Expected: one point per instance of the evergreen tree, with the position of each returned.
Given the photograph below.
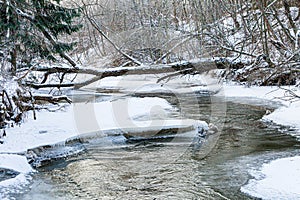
(30, 29)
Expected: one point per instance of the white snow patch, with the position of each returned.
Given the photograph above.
(148, 84)
(266, 93)
(279, 179)
(15, 162)
(18, 181)
(81, 118)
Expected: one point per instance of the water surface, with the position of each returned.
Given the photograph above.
(115, 168)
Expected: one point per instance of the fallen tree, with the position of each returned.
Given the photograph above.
(13, 107)
(173, 69)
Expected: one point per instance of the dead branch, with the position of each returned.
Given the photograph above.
(197, 66)
(33, 106)
(97, 27)
(290, 92)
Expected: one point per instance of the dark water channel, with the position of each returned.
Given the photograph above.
(164, 169)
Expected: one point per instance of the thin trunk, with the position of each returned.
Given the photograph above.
(289, 16)
(284, 29)
(13, 61)
(262, 4)
(175, 14)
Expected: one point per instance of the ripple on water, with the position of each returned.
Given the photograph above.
(160, 169)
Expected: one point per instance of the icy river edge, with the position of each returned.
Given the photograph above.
(37, 133)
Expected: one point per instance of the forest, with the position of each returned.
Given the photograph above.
(254, 42)
(42, 42)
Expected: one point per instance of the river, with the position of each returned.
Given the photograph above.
(167, 169)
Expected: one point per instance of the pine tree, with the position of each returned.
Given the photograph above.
(30, 30)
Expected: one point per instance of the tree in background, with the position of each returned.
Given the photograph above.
(30, 30)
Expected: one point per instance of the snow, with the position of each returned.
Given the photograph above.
(13, 185)
(20, 179)
(9, 85)
(266, 93)
(81, 118)
(279, 179)
(288, 116)
(16, 162)
(137, 84)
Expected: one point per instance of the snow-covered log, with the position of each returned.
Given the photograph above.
(183, 67)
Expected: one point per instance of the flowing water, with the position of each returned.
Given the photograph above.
(166, 169)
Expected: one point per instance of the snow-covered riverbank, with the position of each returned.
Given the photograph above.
(288, 113)
(279, 179)
(20, 166)
(78, 119)
(92, 120)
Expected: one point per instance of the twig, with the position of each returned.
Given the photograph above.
(293, 94)
(185, 71)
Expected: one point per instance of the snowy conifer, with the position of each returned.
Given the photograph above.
(30, 29)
